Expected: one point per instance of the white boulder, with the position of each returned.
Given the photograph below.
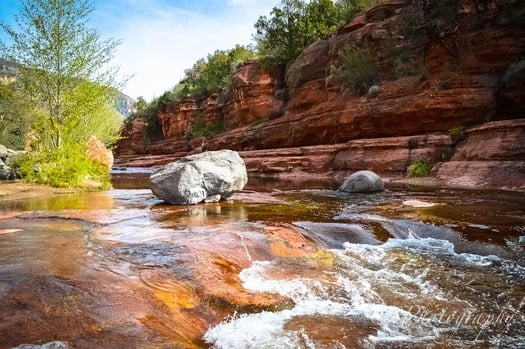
(208, 176)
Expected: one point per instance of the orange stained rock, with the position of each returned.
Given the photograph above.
(97, 151)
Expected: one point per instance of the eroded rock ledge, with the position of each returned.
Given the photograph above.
(490, 156)
(298, 120)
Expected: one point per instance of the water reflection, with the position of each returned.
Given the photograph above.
(131, 178)
(279, 265)
(207, 214)
(70, 201)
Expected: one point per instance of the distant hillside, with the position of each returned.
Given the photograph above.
(125, 104)
(7, 69)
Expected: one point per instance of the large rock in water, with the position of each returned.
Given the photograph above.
(362, 182)
(207, 176)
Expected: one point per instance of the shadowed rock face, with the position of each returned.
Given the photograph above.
(208, 177)
(460, 71)
(133, 136)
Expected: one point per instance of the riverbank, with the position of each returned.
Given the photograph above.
(20, 190)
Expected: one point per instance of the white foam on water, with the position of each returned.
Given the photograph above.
(443, 249)
(298, 289)
(362, 285)
(315, 298)
(266, 329)
(361, 216)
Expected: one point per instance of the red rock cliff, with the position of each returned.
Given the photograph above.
(437, 69)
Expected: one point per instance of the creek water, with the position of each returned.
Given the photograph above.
(281, 265)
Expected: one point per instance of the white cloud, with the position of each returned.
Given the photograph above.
(160, 39)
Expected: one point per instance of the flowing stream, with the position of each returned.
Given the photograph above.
(282, 265)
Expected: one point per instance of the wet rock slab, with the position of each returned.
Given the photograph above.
(77, 277)
(122, 269)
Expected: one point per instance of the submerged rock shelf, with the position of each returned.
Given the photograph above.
(276, 264)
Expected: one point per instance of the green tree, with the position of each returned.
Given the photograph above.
(321, 18)
(295, 24)
(62, 72)
(210, 74)
(141, 105)
(281, 37)
(348, 9)
(14, 119)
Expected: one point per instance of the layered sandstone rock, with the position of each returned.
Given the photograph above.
(492, 155)
(250, 100)
(459, 66)
(176, 118)
(133, 138)
(498, 140)
(253, 97)
(388, 156)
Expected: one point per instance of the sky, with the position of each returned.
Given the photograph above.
(162, 38)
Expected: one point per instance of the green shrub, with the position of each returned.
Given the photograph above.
(211, 74)
(200, 128)
(66, 166)
(447, 153)
(357, 68)
(457, 133)
(419, 168)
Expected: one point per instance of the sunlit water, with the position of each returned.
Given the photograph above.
(280, 266)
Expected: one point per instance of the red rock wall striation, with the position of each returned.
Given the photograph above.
(444, 67)
(177, 117)
(491, 155)
(133, 139)
(250, 100)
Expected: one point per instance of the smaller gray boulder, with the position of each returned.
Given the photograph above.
(9, 156)
(373, 91)
(362, 182)
(6, 172)
(207, 176)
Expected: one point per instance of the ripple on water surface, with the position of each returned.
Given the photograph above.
(335, 270)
